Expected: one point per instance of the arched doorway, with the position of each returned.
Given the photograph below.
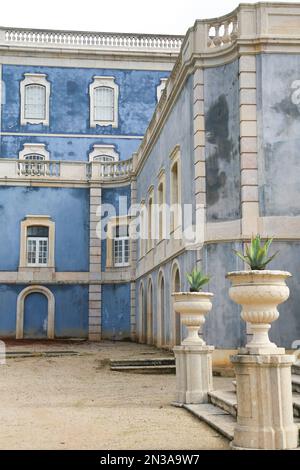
(176, 287)
(142, 315)
(150, 312)
(35, 316)
(161, 326)
(35, 313)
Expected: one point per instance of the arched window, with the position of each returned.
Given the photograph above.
(37, 245)
(36, 156)
(103, 158)
(104, 93)
(34, 167)
(35, 101)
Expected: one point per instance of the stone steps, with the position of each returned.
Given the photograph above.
(296, 383)
(296, 368)
(145, 366)
(215, 417)
(296, 405)
(224, 399)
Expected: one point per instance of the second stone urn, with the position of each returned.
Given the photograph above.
(259, 293)
(192, 307)
(193, 357)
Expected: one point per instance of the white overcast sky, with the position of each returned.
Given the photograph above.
(140, 16)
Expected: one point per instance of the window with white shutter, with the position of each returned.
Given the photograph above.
(35, 96)
(35, 102)
(104, 95)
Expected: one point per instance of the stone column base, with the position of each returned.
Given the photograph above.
(264, 399)
(193, 373)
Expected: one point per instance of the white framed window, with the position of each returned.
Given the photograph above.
(160, 88)
(37, 245)
(118, 242)
(150, 219)
(35, 95)
(161, 201)
(175, 189)
(35, 155)
(104, 97)
(121, 245)
(104, 154)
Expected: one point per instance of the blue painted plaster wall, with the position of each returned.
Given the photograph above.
(223, 326)
(65, 148)
(68, 208)
(222, 131)
(69, 99)
(112, 196)
(71, 310)
(278, 108)
(286, 329)
(115, 320)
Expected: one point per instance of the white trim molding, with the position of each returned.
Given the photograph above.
(160, 88)
(101, 151)
(45, 221)
(34, 79)
(105, 82)
(34, 149)
(20, 310)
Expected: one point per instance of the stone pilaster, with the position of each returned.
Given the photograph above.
(133, 260)
(265, 405)
(95, 267)
(199, 148)
(248, 145)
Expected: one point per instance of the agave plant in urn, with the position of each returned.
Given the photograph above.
(259, 291)
(193, 306)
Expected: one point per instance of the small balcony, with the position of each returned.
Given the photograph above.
(64, 171)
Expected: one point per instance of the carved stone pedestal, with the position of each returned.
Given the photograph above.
(193, 373)
(264, 398)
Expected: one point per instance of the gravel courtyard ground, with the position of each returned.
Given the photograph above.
(76, 402)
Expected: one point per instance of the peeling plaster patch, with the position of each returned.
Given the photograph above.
(287, 107)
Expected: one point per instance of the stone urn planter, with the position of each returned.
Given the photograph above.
(259, 292)
(192, 307)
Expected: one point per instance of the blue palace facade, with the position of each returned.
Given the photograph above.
(93, 124)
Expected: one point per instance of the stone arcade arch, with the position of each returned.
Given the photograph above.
(161, 327)
(150, 311)
(142, 314)
(175, 287)
(20, 310)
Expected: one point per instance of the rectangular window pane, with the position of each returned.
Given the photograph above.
(37, 251)
(43, 251)
(35, 102)
(31, 251)
(104, 104)
(121, 251)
